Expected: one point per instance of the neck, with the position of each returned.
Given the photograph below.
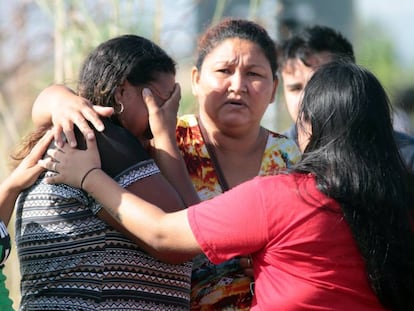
(236, 158)
(233, 140)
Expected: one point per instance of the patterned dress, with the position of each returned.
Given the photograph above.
(72, 260)
(5, 248)
(224, 286)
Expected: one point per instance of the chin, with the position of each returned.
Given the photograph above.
(236, 123)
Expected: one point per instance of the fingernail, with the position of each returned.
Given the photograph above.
(146, 92)
(90, 136)
(73, 143)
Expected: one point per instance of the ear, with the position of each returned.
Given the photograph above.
(275, 84)
(195, 77)
(119, 91)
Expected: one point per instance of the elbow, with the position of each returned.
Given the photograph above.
(167, 251)
(169, 255)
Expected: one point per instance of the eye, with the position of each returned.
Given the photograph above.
(295, 88)
(254, 74)
(224, 70)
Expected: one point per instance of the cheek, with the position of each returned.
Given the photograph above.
(208, 83)
(291, 97)
(136, 120)
(209, 92)
(292, 103)
(293, 107)
(261, 90)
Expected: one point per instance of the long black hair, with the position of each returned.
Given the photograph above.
(355, 160)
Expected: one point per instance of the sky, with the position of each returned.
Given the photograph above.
(397, 16)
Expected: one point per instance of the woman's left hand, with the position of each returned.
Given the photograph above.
(163, 119)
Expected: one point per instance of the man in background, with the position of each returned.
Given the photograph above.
(301, 54)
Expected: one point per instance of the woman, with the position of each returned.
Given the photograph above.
(23, 176)
(335, 233)
(234, 81)
(91, 262)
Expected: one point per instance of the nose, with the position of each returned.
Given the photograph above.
(237, 83)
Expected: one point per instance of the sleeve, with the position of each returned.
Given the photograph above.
(5, 246)
(122, 156)
(231, 224)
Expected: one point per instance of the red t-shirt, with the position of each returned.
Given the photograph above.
(304, 255)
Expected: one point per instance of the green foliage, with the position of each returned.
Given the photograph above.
(82, 25)
(375, 50)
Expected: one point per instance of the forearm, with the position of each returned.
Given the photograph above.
(172, 165)
(41, 110)
(163, 121)
(164, 234)
(8, 196)
(174, 258)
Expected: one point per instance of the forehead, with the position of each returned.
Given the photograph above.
(236, 47)
(295, 70)
(313, 61)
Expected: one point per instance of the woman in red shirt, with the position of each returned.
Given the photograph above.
(333, 234)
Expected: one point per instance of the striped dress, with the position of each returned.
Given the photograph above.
(72, 260)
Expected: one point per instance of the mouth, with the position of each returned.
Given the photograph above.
(235, 103)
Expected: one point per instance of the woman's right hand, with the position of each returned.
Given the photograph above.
(71, 165)
(59, 105)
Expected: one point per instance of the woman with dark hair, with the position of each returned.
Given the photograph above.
(234, 81)
(334, 233)
(73, 254)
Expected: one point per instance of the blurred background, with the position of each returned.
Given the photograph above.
(45, 41)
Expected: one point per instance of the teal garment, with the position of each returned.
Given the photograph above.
(6, 304)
